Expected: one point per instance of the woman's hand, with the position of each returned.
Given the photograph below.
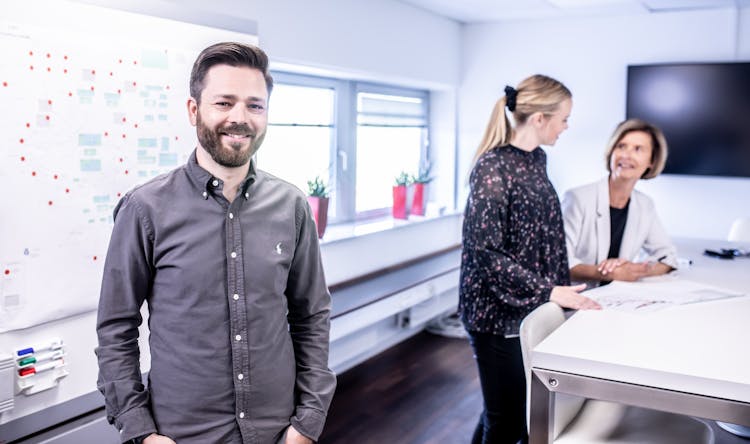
(630, 271)
(607, 266)
(570, 297)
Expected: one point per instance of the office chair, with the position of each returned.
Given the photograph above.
(589, 421)
(740, 231)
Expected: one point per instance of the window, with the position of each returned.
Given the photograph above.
(357, 137)
(391, 138)
(301, 133)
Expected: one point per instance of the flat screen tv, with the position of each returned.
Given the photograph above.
(704, 111)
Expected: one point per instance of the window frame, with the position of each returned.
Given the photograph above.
(343, 148)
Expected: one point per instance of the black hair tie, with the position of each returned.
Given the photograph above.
(510, 98)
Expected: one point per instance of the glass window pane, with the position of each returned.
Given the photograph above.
(297, 154)
(301, 105)
(372, 103)
(382, 153)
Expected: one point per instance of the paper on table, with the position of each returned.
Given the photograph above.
(653, 295)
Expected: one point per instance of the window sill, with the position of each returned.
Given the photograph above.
(346, 231)
(350, 251)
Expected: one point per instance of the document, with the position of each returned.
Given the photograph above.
(658, 294)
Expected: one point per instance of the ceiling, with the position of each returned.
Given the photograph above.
(484, 11)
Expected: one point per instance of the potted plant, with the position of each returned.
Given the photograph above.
(317, 197)
(399, 196)
(419, 197)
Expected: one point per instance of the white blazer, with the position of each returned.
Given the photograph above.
(587, 228)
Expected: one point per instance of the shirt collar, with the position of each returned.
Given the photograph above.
(204, 181)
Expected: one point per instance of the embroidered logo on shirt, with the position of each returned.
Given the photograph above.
(278, 248)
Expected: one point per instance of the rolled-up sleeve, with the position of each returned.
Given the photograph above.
(309, 325)
(572, 220)
(658, 244)
(125, 285)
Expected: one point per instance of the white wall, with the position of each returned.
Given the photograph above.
(360, 39)
(590, 55)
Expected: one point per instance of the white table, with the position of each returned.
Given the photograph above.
(691, 359)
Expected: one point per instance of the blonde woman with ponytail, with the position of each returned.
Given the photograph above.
(514, 257)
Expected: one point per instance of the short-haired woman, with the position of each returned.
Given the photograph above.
(608, 223)
(514, 257)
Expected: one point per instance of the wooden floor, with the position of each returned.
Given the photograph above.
(424, 390)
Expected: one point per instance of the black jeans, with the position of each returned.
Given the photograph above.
(503, 381)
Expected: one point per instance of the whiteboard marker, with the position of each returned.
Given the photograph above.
(50, 365)
(54, 344)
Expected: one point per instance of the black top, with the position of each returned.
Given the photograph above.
(513, 241)
(618, 217)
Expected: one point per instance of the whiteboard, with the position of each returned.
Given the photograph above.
(93, 103)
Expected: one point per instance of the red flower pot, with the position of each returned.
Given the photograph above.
(418, 201)
(399, 202)
(319, 207)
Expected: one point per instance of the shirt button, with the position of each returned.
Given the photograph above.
(238, 338)
(234, 255)
(242, 415)
(215, 183)
(240, 376)
(231, 215)
(236, 296)
(247, 195)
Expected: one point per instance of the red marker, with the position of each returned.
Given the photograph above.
(26, 371)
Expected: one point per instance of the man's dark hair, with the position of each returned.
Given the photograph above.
(227, 53)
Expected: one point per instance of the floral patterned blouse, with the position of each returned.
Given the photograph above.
(513, 241)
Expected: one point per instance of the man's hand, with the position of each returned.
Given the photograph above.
(157, 439)
(570, 297)
(295, 437)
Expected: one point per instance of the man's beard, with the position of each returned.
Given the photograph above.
(234, 155)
